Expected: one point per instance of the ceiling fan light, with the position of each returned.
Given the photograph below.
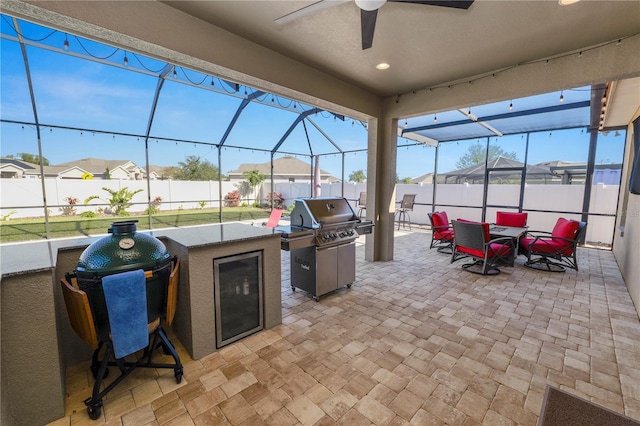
(370, 5)
(567, 2)
(383, 66)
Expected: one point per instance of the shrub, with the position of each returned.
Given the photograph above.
(232, 199)
(119, 201)
(5, 217)
(278, 200)
(88, 214)
(70, 210)
(155, 206)
(202, 204)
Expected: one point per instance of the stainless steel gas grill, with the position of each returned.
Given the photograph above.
(321, 240)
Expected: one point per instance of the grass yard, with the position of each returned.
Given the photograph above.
(76, 226)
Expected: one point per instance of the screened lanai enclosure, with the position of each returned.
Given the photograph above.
(91, 132)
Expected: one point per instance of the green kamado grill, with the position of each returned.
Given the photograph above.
(124, 250)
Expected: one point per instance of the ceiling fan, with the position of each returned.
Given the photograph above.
(368, 12)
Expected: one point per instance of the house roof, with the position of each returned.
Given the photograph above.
(477, 171)
(428, 178)
(98, 165)
(287, 165)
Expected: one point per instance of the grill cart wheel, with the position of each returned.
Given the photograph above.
(94, 412)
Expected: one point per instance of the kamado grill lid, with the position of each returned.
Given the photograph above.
(123, 250)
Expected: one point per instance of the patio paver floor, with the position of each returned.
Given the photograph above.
(414, 341)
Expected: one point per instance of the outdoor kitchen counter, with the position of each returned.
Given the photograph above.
(38, 342)
(196, 247)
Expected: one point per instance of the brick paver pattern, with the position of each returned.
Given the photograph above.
(414, 341)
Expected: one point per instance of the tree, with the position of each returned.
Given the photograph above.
(357, 176)
(107, 173)
(33, 159)
(404, 180)
(475, 155)
(193, 168)
(255, 178)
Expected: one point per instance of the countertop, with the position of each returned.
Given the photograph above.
(36, 256)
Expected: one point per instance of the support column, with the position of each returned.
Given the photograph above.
(381, 184)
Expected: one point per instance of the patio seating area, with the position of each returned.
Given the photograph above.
(415, 340)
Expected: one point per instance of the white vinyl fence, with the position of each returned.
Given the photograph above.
(23, 198)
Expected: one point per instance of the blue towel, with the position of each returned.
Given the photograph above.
(126, 298)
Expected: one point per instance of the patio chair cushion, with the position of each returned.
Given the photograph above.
(564, 228)
(440, 219)
(518, 220)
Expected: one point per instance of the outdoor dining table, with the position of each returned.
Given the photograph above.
(498, 231)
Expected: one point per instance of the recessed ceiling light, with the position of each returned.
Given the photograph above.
(567, 2)
(383, 66)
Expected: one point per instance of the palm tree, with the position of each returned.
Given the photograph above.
(255, 178)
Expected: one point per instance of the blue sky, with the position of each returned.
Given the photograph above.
(74, 92)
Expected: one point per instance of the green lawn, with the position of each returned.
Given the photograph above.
(70, 226)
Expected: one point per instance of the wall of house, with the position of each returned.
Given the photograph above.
(627, 238)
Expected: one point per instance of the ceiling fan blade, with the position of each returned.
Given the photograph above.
(368, 24)
(457, 4)
(308, 10)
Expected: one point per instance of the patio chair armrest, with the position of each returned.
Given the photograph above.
(502, 240)
(534, 234)
(442, 227)
(552, 238)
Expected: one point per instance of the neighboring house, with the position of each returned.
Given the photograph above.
(285, 169)
(118, 169)
(576, 172)
(96, 167)
(428, 178)
(11, 168)
(475, 174)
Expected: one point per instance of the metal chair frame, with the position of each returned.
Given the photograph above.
(406, 206)
(552, 259)
(472, 235)
(362, 203)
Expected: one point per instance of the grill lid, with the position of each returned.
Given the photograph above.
(322, 211)
(123, 250)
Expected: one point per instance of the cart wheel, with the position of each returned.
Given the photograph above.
(348, 285)
(178, 375)
(94, 413)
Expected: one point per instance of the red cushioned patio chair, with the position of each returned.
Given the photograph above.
(472, 239)
(556, 250)
(441, 232)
